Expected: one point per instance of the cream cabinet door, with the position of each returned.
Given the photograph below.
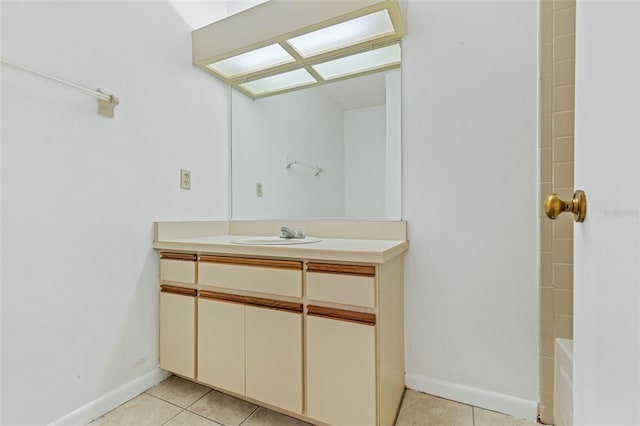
(341, 372)
(178, 333)
(221, 345)
(274, 357)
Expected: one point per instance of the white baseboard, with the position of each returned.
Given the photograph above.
(516, 407)
(111, 400)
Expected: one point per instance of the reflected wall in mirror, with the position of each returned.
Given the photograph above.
(349, 129)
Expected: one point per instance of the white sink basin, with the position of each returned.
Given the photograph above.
(274, 241)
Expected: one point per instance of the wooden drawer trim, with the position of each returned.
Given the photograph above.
(248, 261)
(341, 314)
(223, 297)
(252, 301)
(334, 268)
(178, 256)
(178, 290)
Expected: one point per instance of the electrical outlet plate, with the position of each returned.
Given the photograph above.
(258, 189)
(185, 179)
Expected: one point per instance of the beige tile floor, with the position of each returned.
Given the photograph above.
(179, 402)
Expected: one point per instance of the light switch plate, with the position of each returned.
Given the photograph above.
(185, 179)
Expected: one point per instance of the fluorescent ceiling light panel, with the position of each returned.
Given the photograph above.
(345, 34)
(361, 62)
(278, 82)
(255, 60)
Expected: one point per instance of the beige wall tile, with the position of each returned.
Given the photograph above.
(546, 304)
(564, 21)
(546, 134)
(546, 376)
(564, 192)
(546, 60)
(562, 276)
(564, 98)
(563, 326)
(563, 123)
(546, 338)
(546, 235)
(564, 72)
(546, 26)
(562, 251)
(563, 149)
(546, 95)
(563, 174)
(546, 165)
(545, 191)
(563, 226)
(546, 269)
(563, 4)
(563, 301)
(546, 407)
(564, 47)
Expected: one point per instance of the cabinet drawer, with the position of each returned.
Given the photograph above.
(346, 289)
(268, 276)
(178, 268)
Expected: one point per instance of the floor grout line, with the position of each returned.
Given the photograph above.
(252, 413)
(172, 403)
(473, 416)
(180, 412)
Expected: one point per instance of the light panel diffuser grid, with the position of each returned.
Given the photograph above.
(361, 62)
(344, 34)
(278, 82)
(255, 60)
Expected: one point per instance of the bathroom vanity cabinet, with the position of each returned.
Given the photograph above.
(318, 339)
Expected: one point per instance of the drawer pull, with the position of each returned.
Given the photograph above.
(341, 314)
(248, 261)
(252, 301)
(178, 256)
(334, 268)
(178, 290)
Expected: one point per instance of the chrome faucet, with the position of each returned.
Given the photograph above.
(286, 232)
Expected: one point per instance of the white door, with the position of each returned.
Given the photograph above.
(607, 244)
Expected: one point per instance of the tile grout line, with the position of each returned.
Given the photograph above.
(172, 403)
(180, 412)
(247, 418)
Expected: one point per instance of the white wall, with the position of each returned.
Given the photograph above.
(80, 192)
(306, 125)
(470, 199)
(365, 177)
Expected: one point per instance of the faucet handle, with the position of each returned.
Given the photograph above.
(299, 231)
(287, 232)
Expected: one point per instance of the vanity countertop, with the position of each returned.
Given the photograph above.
(328, 249)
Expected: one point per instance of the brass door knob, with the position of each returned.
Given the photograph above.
(554, 206)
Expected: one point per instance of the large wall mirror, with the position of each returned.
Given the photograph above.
(329, 151)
